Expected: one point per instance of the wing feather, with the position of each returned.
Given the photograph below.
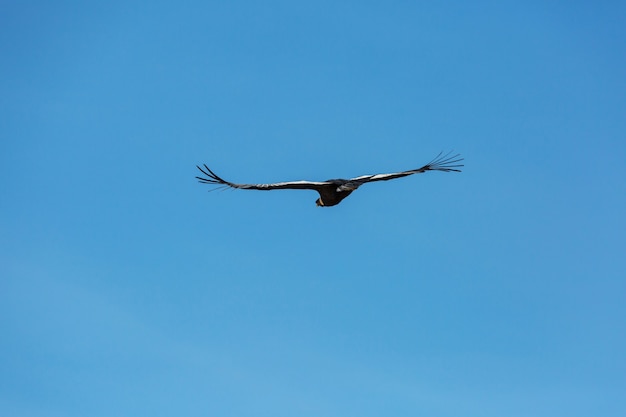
(442, 162)
(212, 178)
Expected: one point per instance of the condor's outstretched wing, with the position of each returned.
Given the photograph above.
(441, 162)
(214, 179)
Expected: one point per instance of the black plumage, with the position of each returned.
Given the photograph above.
(332, 192)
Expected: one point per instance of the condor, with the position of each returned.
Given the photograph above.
(332, 192)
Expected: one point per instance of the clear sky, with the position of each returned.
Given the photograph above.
(127, 289)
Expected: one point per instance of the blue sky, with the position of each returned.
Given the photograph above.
(128, 290)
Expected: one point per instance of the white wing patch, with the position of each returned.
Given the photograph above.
(380, 176)
(363, 177)
(282, 185)
(301, 182)
(393, 174)
(288, 183)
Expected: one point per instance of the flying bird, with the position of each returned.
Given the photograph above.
(332, 192)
